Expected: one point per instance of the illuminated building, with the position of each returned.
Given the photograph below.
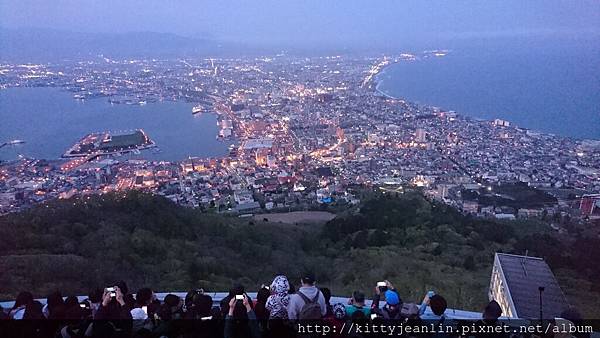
(590, 205)
(420, 135)
(501, 123)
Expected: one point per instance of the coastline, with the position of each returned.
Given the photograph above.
(381, 92)
(489, 94)
(377, 83)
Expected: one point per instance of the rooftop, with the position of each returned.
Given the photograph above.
(524, 275)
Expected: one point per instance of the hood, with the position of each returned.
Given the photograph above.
(138, 314)
(280, 286)
(309, 291)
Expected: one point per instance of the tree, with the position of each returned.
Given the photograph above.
(469, 263)
(360, 239)
(378, 238)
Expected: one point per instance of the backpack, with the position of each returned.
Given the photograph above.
(385, 313)
(311, 308)
(409, 310)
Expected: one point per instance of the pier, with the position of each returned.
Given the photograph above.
(109, 143)
(12, 142)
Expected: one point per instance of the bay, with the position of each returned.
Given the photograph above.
(49, 120)
(554, 90)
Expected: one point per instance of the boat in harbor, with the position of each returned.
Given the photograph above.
(15, 142)
(197, 109)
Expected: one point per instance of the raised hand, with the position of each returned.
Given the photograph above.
(232, 302)
(119, 296)
(106, 298)
(246, 303)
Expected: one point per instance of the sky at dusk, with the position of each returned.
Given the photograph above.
(311, 21)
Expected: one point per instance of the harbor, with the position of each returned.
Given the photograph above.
(60, 121)
(110, 143)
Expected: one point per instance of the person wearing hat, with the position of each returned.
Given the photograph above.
(336, 320)
(381, 293)
(393, 304)
(339, 311)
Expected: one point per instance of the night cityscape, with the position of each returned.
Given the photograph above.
(307, 131)
(286, 183)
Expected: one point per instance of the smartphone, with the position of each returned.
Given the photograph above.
(82, 306)
(145, 309)
(206, 318)
(239, 297)
(373, 316)
(111, 290)
(430, 294)
(382, 286)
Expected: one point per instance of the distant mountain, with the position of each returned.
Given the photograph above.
(49, 45)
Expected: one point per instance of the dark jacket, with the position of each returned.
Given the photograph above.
(242, 328)
(112, 320)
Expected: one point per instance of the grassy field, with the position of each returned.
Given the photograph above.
(296, 217)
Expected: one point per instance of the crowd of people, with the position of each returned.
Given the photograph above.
(277, 311)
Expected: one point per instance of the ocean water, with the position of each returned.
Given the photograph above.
(553, 90)
(50, 121)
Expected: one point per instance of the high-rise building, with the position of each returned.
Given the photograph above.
(501, 123)
(420, 135)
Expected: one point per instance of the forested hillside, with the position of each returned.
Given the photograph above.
(76, 245)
